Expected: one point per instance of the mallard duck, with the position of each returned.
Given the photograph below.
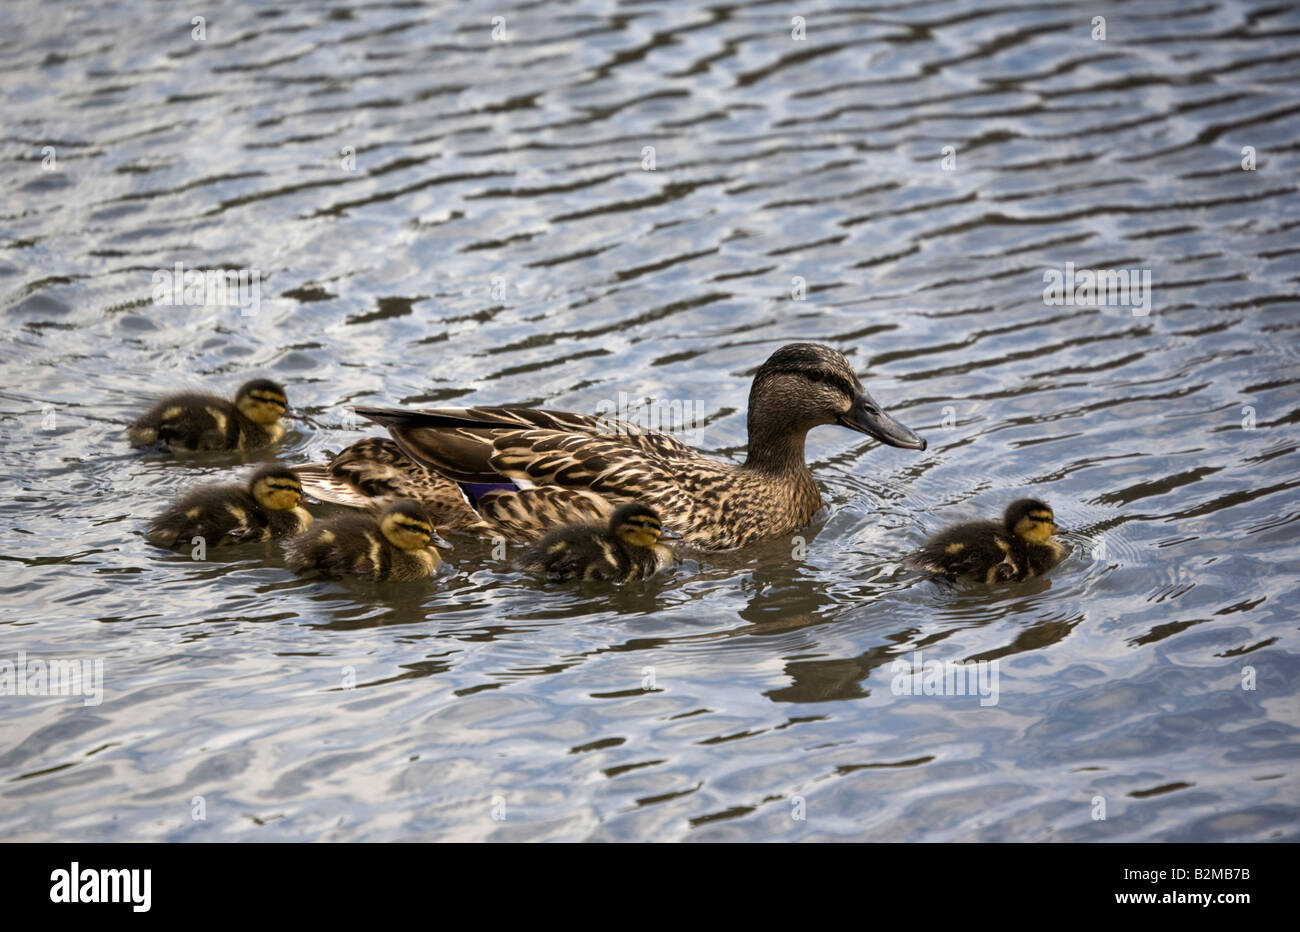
(1018, 548)
(266, 508)
(515, 472)
(195, 421)
(625, 549)
(391, 546)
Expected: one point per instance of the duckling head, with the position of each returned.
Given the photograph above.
(636, 525)
(262, 401)
(275, 488)
(407, 526)
(1031, 521)
(803, 385)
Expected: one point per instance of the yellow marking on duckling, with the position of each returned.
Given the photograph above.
(304, 518)
(954, 548)
(194, 512)
(375, 549)
(326, 537)
(238, 514)
(1036, 531)
(557, 548)
(171, 413)
(1003, 545)
(218, 417)
(141, 436)
(609, 554)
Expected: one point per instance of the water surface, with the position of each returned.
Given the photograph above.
(439, 217)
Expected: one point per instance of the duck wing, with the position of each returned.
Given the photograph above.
(460, 442)
(533, 447)
(374, 471)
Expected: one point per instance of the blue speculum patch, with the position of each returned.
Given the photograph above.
(476, 490)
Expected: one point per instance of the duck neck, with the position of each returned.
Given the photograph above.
(776, 447)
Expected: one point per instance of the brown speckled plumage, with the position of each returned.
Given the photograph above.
(581, 467)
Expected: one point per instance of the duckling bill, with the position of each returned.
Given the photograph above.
(392, 546)
(266, 508)
(627, 548)
(1018, 548)
(196, 421)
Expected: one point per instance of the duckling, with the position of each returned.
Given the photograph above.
(392, 546)
(268, 507)
(1018, 548)
(628, 548)
(195, 421)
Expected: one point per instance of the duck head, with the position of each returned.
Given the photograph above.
(262, 401)
(407, 527)
(275, 488)
(636, 525)
(805, 385)
(1031, 520)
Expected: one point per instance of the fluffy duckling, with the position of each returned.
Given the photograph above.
(629, 548)
(268, 507)
(196, 421)
(1018, 548)
(392, 546)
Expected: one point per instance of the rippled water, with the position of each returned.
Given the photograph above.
(442, 217)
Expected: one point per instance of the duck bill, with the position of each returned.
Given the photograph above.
(670, 535)
(437, 540)
(866, 417)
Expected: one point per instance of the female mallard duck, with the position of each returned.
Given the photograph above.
(392, 546)
(268, 507)
(195, 421)
(1018, 548)
(627, 548)
(514, 472)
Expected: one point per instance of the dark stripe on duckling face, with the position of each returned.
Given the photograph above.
(268, 398)
(276, 489)
(406, 526)
(636, 525)
(283, 482)
(1037, 526)
(415, 527)
(262, 401)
